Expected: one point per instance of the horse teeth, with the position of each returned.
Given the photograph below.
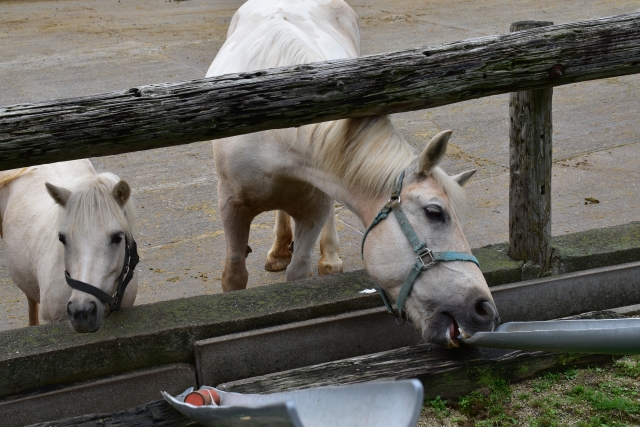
(464, 334)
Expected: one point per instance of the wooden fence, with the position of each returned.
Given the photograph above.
(169, 114)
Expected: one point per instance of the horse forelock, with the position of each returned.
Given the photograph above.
(92, 200)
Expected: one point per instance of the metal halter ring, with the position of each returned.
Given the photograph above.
(425, 253)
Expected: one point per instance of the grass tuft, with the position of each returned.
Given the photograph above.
(607, 396)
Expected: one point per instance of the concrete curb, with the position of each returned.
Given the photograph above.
(163, 333)
(574, 252)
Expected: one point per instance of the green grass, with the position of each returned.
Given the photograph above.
(607, 396)
(438, 407)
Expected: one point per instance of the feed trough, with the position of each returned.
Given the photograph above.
(610, 336)
(373, 404)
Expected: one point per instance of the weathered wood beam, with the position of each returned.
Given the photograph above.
(168, 114)
(442, 373)
(530, 139)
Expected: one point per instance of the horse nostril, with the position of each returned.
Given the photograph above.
(480, 309)
(69, 312)
(484, 311)
(91, 311)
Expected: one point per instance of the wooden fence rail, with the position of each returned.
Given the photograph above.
(169, 114)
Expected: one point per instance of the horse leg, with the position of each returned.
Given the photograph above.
(34, 308)
(279, 255)
(330, 261)
(308, 226)
(236, 225)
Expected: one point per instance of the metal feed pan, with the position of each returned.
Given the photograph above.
(373, 404)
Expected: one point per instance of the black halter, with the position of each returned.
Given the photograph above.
(113, 302)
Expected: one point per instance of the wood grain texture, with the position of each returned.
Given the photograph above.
(168, 114)
(530, 147)
(443, 373)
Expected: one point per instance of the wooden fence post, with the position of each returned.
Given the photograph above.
(530, 170)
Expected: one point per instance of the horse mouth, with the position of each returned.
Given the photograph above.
(454, 332)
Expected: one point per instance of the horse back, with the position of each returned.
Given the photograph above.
(276, 33)
(265, 167)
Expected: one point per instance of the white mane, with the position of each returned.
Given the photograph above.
(6, 177)
(91, 200)
(9, 175)
(367, 153)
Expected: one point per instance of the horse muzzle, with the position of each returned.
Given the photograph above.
(451, 324)
(85, 315)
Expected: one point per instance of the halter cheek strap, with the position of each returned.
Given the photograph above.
(425, 257)
(113, 302)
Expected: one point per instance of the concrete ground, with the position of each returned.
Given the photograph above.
(66, 48)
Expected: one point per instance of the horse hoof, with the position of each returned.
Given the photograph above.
(277, 264)
(325, 268)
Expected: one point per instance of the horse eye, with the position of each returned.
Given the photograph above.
(62, 238)
(116, 238)
(434, 213)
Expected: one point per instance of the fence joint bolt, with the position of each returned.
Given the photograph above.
(556, 71)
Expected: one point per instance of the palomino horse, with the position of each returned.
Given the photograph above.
(363, 163)
(60, 238)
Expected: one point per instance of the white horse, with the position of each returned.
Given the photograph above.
(82, 226)
(358, 162)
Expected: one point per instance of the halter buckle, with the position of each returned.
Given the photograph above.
(422, 254)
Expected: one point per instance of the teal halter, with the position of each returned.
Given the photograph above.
(425, 256)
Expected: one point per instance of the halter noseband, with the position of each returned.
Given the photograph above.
(425, 257)
(113, 302)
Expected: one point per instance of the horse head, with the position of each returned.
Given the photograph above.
(421, 241)
(95, 230)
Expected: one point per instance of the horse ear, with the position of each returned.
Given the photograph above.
(60, 195)
(121, 192)
(463, 177)
(433, 153)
